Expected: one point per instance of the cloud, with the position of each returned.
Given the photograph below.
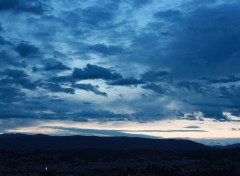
(11, 94)
(140, 3)
(171, 15)
(16, 74)
(28, 6)
(157, 76)
(96, 16)
(15, 123)
(200, 3)
(96, 132)
(170, 131)
(228, 79)
(62, 79)
(155, 60)
(196, 41)
(191, 86)
(4, 42)
(17, 77)
(91, 88)
(201, 41)
(17, 114)
(95, 72)
(92, 17)
(160, 89)
(91, 113)
(54, 65)
(192, 127)
(54, 87)
(8, 60)
(126, 82)
(27, 50)
(235, 129)
(106, 50)
(214, 113)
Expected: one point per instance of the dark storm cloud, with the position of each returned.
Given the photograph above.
(29, 6)
(96, 16)
(157, 76)
(160, 89)
(16, 74)
(27, 50)
(95, 72)
(44, 107)
(54, 87)
(214, 110)
(214, 113)
(126, 82)
(91, 88)
(228, 79)
(191, 86)
(99, 114)
(204, 42)
(4, 41)
(11, 94)
(62, 79)
(26, 109)
(11, 113)
(217, 100)
(17, 77)
(54, 65)
(67, 84)
(207, 42)
(8, 60)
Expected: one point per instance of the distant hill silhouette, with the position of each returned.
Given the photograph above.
(232, 146)
(22, 141)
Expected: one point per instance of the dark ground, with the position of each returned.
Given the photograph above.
(120, 162)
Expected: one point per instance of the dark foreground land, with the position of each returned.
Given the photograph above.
(42, 155)
(120, 162)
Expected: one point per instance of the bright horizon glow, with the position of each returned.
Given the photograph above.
(207, 132)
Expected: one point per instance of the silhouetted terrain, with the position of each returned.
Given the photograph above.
(233, 146)
(37, 156)
(18, 141)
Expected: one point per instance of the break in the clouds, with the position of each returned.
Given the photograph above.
(142, 61)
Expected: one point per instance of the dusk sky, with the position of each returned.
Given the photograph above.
(144, 68)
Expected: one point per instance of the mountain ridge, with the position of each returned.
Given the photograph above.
(41, 141)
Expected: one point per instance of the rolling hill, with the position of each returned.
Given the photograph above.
(21, 141)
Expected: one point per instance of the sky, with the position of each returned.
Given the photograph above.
(143, 68)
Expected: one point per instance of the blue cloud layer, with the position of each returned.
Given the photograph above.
(139, 60)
